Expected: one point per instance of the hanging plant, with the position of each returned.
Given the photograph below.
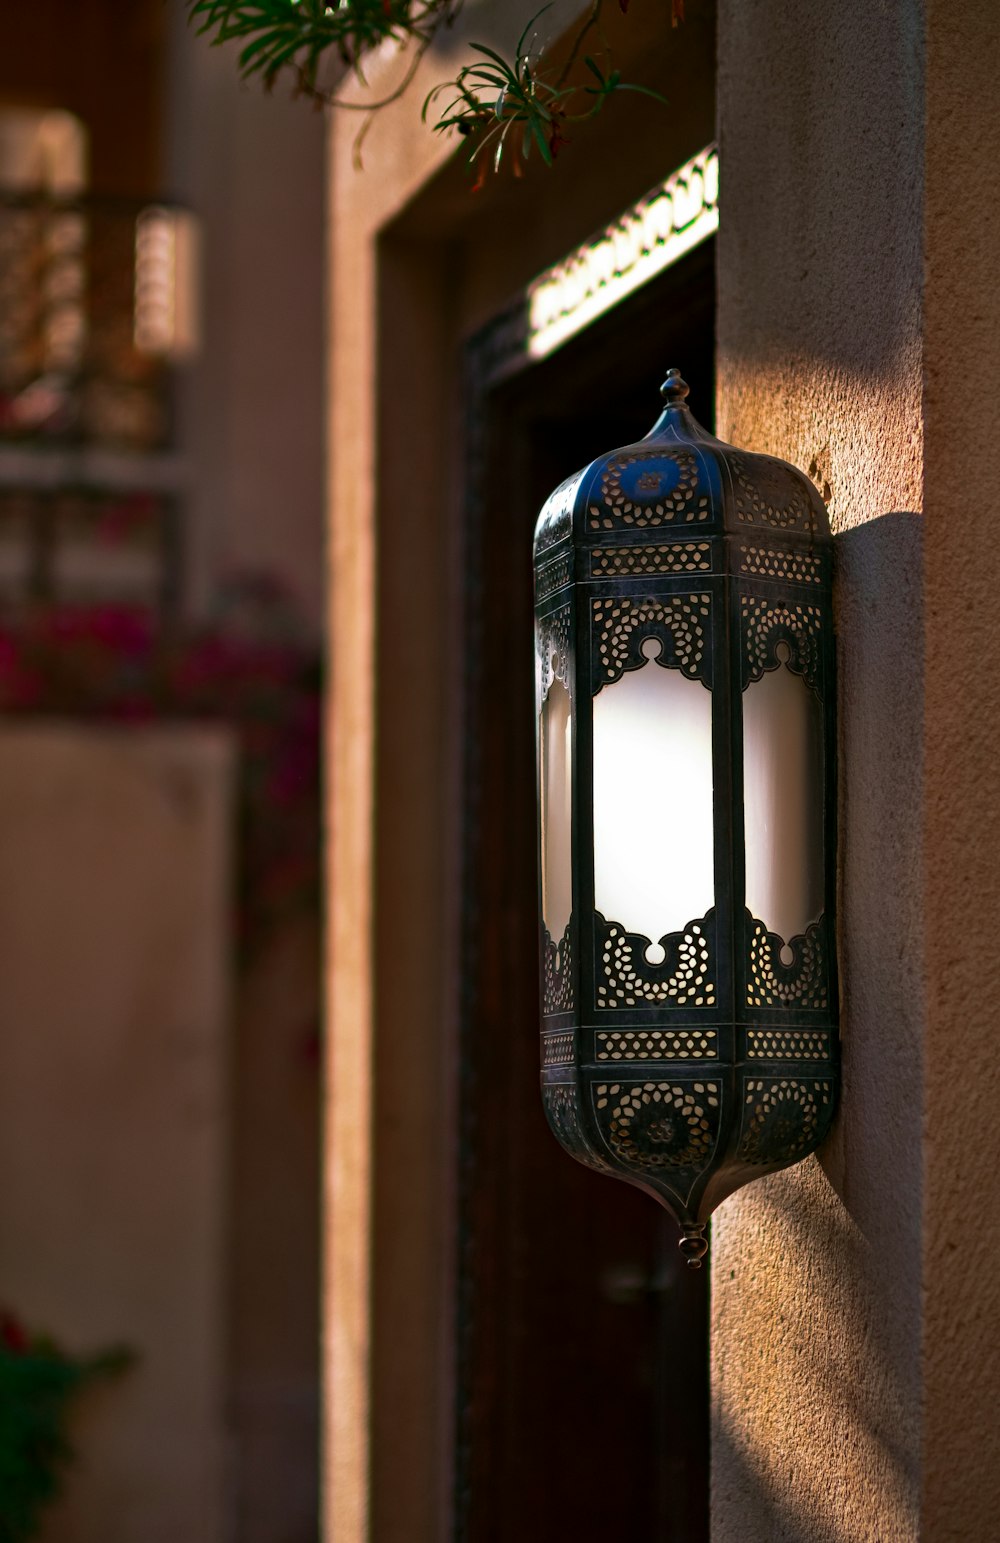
(496, 103)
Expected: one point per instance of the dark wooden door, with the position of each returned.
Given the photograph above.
(581, 1338)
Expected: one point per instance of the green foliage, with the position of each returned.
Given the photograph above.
(296, 34)
(494, 102)
(490, 99)
(38, 1382)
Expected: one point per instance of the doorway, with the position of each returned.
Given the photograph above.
(581, 1340)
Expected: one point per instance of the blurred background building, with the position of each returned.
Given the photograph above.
(161, 504)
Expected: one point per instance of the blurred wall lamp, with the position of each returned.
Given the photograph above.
(167, 302)
(686, 732)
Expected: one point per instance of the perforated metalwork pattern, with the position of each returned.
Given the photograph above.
(557, 971)
(771, 492)
(621, 625)
(788, 1044)
(552, 635)
(650, 1125)
(772, 983)
(561, 1104)
(790, 567)
(556, 576)
(557, 1049)
(768, 623)
(561, 1110)
(650, 488)
(782, 1118)
(680, 557)
(657, 1045)
(626, 979)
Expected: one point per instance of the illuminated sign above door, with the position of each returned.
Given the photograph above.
(671, 219)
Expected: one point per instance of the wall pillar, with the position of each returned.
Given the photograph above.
(858, 331)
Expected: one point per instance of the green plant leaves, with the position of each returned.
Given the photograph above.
(485, 101)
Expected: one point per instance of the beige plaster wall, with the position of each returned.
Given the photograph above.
(116, 859)
(854, 1298)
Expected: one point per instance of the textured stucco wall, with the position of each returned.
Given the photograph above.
(816, 1272)
(855, 1363)
(961, 1477)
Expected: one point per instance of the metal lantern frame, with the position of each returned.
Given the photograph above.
(690, 1077)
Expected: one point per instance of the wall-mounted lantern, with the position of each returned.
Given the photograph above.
(685, 696)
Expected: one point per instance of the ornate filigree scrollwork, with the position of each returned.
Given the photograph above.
(783, 1118)
(802, 983)
(657, 1125)
(557, 972)
(766, 625)
(625, 978)
(771, 493)
(680, 622)
(650, 488)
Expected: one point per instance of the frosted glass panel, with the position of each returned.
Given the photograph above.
(556, 752)
(783, 802)
(653, 849)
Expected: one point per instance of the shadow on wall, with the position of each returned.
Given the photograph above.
(873, 1158)
(838, 1388)
(878, 604)
(815, 1435)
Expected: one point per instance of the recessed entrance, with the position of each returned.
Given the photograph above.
(581, 1341)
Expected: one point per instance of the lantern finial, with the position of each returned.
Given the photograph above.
(674, 390)
(694, 1245)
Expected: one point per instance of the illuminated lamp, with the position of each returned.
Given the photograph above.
(686, 750)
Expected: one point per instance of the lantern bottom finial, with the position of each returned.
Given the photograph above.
(694, 1245)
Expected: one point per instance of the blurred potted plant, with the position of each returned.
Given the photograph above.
(38, 1383)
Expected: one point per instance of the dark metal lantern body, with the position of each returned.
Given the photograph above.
(689, 1076)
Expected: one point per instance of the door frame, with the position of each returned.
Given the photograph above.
(400, 236)
(557, 307)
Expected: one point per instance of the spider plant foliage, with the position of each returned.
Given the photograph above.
(520, 103)
(297, 34)
(497, 104)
